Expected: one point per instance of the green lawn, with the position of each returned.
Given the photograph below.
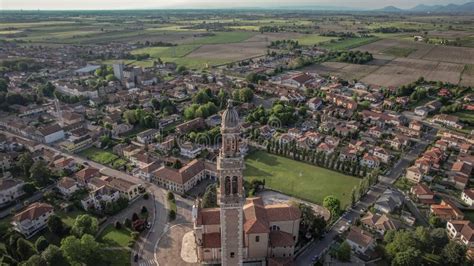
(312, 39)
(114, 237)
(399, 51)
(99, 155)
(69, 217)
(299, 179)
(349, 43)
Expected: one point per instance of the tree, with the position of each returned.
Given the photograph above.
(409, 257)
(344, 252)
(35, 260)
(128, 223)
(24, 249)
(311, 223)
(55, 225)
(423, 236)
(41, 244)
(25, 162)
(84, 250)
(402, 240)
(439, 238)
(53, 256)
(144, 210)
(332, 204)
(209, 199)
(40, 172)
(437, 222)
(177, 164)
(29, 188)
(454, 254)
(245, 95)
(3, 85)
(85, 224)
(170, 195)
(118, 225)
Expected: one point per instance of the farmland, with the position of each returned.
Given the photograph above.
(299, 179)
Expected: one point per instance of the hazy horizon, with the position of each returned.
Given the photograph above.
(203, 4)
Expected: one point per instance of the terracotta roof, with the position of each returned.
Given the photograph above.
(360, 237)
(382, 222)
(421, 189)
(182, 175)
(467, 232)
(281, 239)
(66, 182)
(255, 220)
(62, 162)
(446, 208)
(282, 212)
(33, 211)
(209, 216)
(87, 173)
(121, 184)
(211, 240)
(50, 129)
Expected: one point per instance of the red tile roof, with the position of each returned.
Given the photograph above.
(281, 239)
(211, 240)
(33, 211)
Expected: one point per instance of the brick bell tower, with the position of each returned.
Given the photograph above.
(230, 166)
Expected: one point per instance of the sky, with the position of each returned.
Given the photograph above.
(161, 4)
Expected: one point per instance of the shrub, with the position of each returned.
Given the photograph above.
(118, 225)
(172, 214)
(128, 223)
(170, 195)
(146, 196)
(144, 209)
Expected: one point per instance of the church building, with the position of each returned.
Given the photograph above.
(242, 230)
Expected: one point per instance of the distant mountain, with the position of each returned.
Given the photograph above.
(450, 8)
(393, 9)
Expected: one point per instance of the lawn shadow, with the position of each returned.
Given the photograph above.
(254, 171)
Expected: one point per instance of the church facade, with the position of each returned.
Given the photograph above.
(242, 229)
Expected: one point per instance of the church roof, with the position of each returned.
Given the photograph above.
(211, 240)
(281, 239)
(255, 220)
(230, 117)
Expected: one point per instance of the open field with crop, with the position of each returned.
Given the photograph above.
(349, 43)
(312, 39)
(299, 179)
(451, 54)
(467, 78)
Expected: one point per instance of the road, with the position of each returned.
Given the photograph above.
(146, 246)
(317, 248)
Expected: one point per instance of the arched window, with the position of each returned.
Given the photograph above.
(235, 185)
(227, 185)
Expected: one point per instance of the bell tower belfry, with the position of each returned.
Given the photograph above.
(230, 166)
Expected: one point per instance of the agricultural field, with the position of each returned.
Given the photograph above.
(399, 51)
(348, 43)
(312, 39)
(103, 157)
(299, 179)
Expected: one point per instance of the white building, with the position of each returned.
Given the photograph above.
(190, 150)
(32, 219)
(468, 196)
(10, 190)
(50, 134)
(67, 186)
(360, 240)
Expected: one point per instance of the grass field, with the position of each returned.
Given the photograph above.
(349, 43)
(167, 52)
(399, 51)
(224, 37)
(69, 217)
(299, 179)
(312, 39)
(99, 155)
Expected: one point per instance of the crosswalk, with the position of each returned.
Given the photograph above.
(147, 262)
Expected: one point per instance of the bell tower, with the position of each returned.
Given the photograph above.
(230, 166)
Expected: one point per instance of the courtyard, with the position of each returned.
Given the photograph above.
(298, 179)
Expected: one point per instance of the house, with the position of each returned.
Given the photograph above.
(147, 136)
(64, 163)
(389, 201)
(360, 240)
(127, 189)
(67, 186)
(423, 193)
(461, 231)
(191, 125)
(380, 223)
(382, 154)
(447, 120)
(414, 174)
(446, 210)
(32, 219)
(10, 190)
(370, 161)
(99, 196)
(298, 80)
(146, 171)
(190, 150)
(468, 196)
(314, 104)
(86, 174)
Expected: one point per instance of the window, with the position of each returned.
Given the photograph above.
(227, 185)
(232, 254)
(235, 185)
(257, 238)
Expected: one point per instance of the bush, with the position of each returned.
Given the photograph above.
(135, 217)
(170, 195)
(134, 235)
(146, 196)
(172, 214)
(144, 209)
(118, 225)
(128, 223)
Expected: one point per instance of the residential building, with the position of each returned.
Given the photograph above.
(461, 231)
(446, 210)
(380, 223)
(32, 219)
(468, 196)
(10, 190)
(360, 240)
(67, 186)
